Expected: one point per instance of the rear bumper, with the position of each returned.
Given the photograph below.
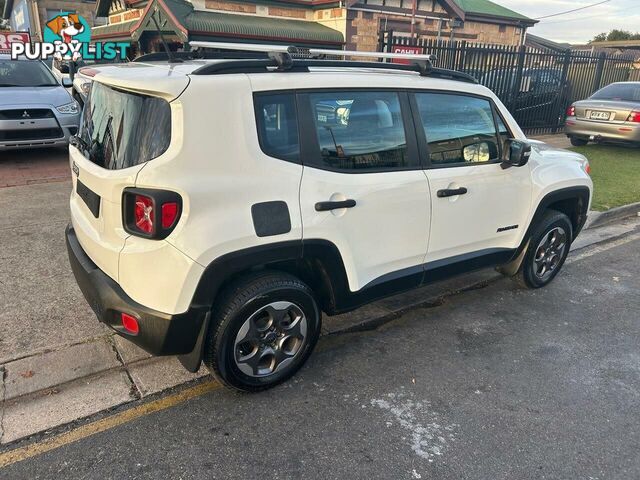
(160, 333)
(621, 132)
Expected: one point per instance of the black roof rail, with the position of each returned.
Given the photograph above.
(284, 63)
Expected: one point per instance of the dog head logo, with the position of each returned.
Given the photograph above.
(66, 26)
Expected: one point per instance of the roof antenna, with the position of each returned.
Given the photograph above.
(171, 57)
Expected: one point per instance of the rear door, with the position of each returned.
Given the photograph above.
(478, 208)
(363, 187)
(119, 132)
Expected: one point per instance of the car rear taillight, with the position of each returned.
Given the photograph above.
(634, 117)
(143, 214)
(169, 214)
(571, 111)
(150, 213)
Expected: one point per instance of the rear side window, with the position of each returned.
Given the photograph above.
(278, 126)
(459, 129)
(121, 129)
(360, 131)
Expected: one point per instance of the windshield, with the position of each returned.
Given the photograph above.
(25, 73)
(625, 92)
(120, 129)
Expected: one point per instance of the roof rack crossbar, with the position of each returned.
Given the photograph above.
(313, 52)
(281, 57)
(296, 65)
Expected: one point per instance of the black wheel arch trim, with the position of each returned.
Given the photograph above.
(581, 193)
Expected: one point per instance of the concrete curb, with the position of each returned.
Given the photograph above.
(54, 388)
(598, 219)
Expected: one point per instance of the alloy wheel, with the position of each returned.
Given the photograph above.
(550, 253)
(270, 339)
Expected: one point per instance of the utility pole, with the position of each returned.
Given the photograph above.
(413, 18)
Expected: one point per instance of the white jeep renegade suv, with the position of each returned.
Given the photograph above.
(219, 206)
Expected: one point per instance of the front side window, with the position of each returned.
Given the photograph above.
(459, 129)
(278, 126)
(360, 131)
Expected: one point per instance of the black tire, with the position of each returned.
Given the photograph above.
(249, 300)
(578, 142)
(529, 275)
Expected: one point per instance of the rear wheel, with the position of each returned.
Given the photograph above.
(548, 249)
(578, 142)
(265, 328)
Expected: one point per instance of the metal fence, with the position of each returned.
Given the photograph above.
(536, 86)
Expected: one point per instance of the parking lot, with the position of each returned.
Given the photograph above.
(496, 383)
(24, 167)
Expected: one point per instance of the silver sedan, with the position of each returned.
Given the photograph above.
(35, 108)
(612, 114)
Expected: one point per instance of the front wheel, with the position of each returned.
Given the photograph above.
(548, 249)
(265, 326)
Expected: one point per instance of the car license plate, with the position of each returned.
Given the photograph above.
(600, 115)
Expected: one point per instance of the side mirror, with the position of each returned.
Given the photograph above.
(67, 83)
(480, 152)
(518, 154)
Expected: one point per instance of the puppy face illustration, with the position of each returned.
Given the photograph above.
(66, 26)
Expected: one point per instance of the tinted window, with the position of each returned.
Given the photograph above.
(454, 122)
(360, 130)
(120, 129)
(25, 73)
(278, 126)
(628, 92)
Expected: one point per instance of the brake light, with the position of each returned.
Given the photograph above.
(150, 213)
(169, 214)
(634, 117)
(571, 111)
(143, 214)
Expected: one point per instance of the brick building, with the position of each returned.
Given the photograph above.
(310, 23)
(472, 20)
(351, 24)
(32, 15)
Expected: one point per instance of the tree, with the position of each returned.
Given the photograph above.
(616, 35)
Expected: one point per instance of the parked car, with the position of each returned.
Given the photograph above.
(220, 206)
(79, 72)
(612, 114)
(541, 98)
(35, 108)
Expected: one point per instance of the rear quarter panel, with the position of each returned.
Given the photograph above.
(220, 172)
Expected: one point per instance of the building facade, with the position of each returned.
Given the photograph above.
(478, 21)
(350, 24)
(32, 15)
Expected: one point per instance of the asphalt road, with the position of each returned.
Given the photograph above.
(497, 383)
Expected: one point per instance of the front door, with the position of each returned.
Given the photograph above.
(363, 187)
(479, 209)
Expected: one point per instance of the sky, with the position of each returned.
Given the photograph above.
(581, 26)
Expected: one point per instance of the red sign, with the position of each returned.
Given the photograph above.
(7, 38)
(406, 49)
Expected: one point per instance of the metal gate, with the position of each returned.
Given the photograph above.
(536, 86)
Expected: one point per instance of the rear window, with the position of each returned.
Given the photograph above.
(120, 129)
(626, 92)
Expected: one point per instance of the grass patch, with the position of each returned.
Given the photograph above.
(616, 175)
